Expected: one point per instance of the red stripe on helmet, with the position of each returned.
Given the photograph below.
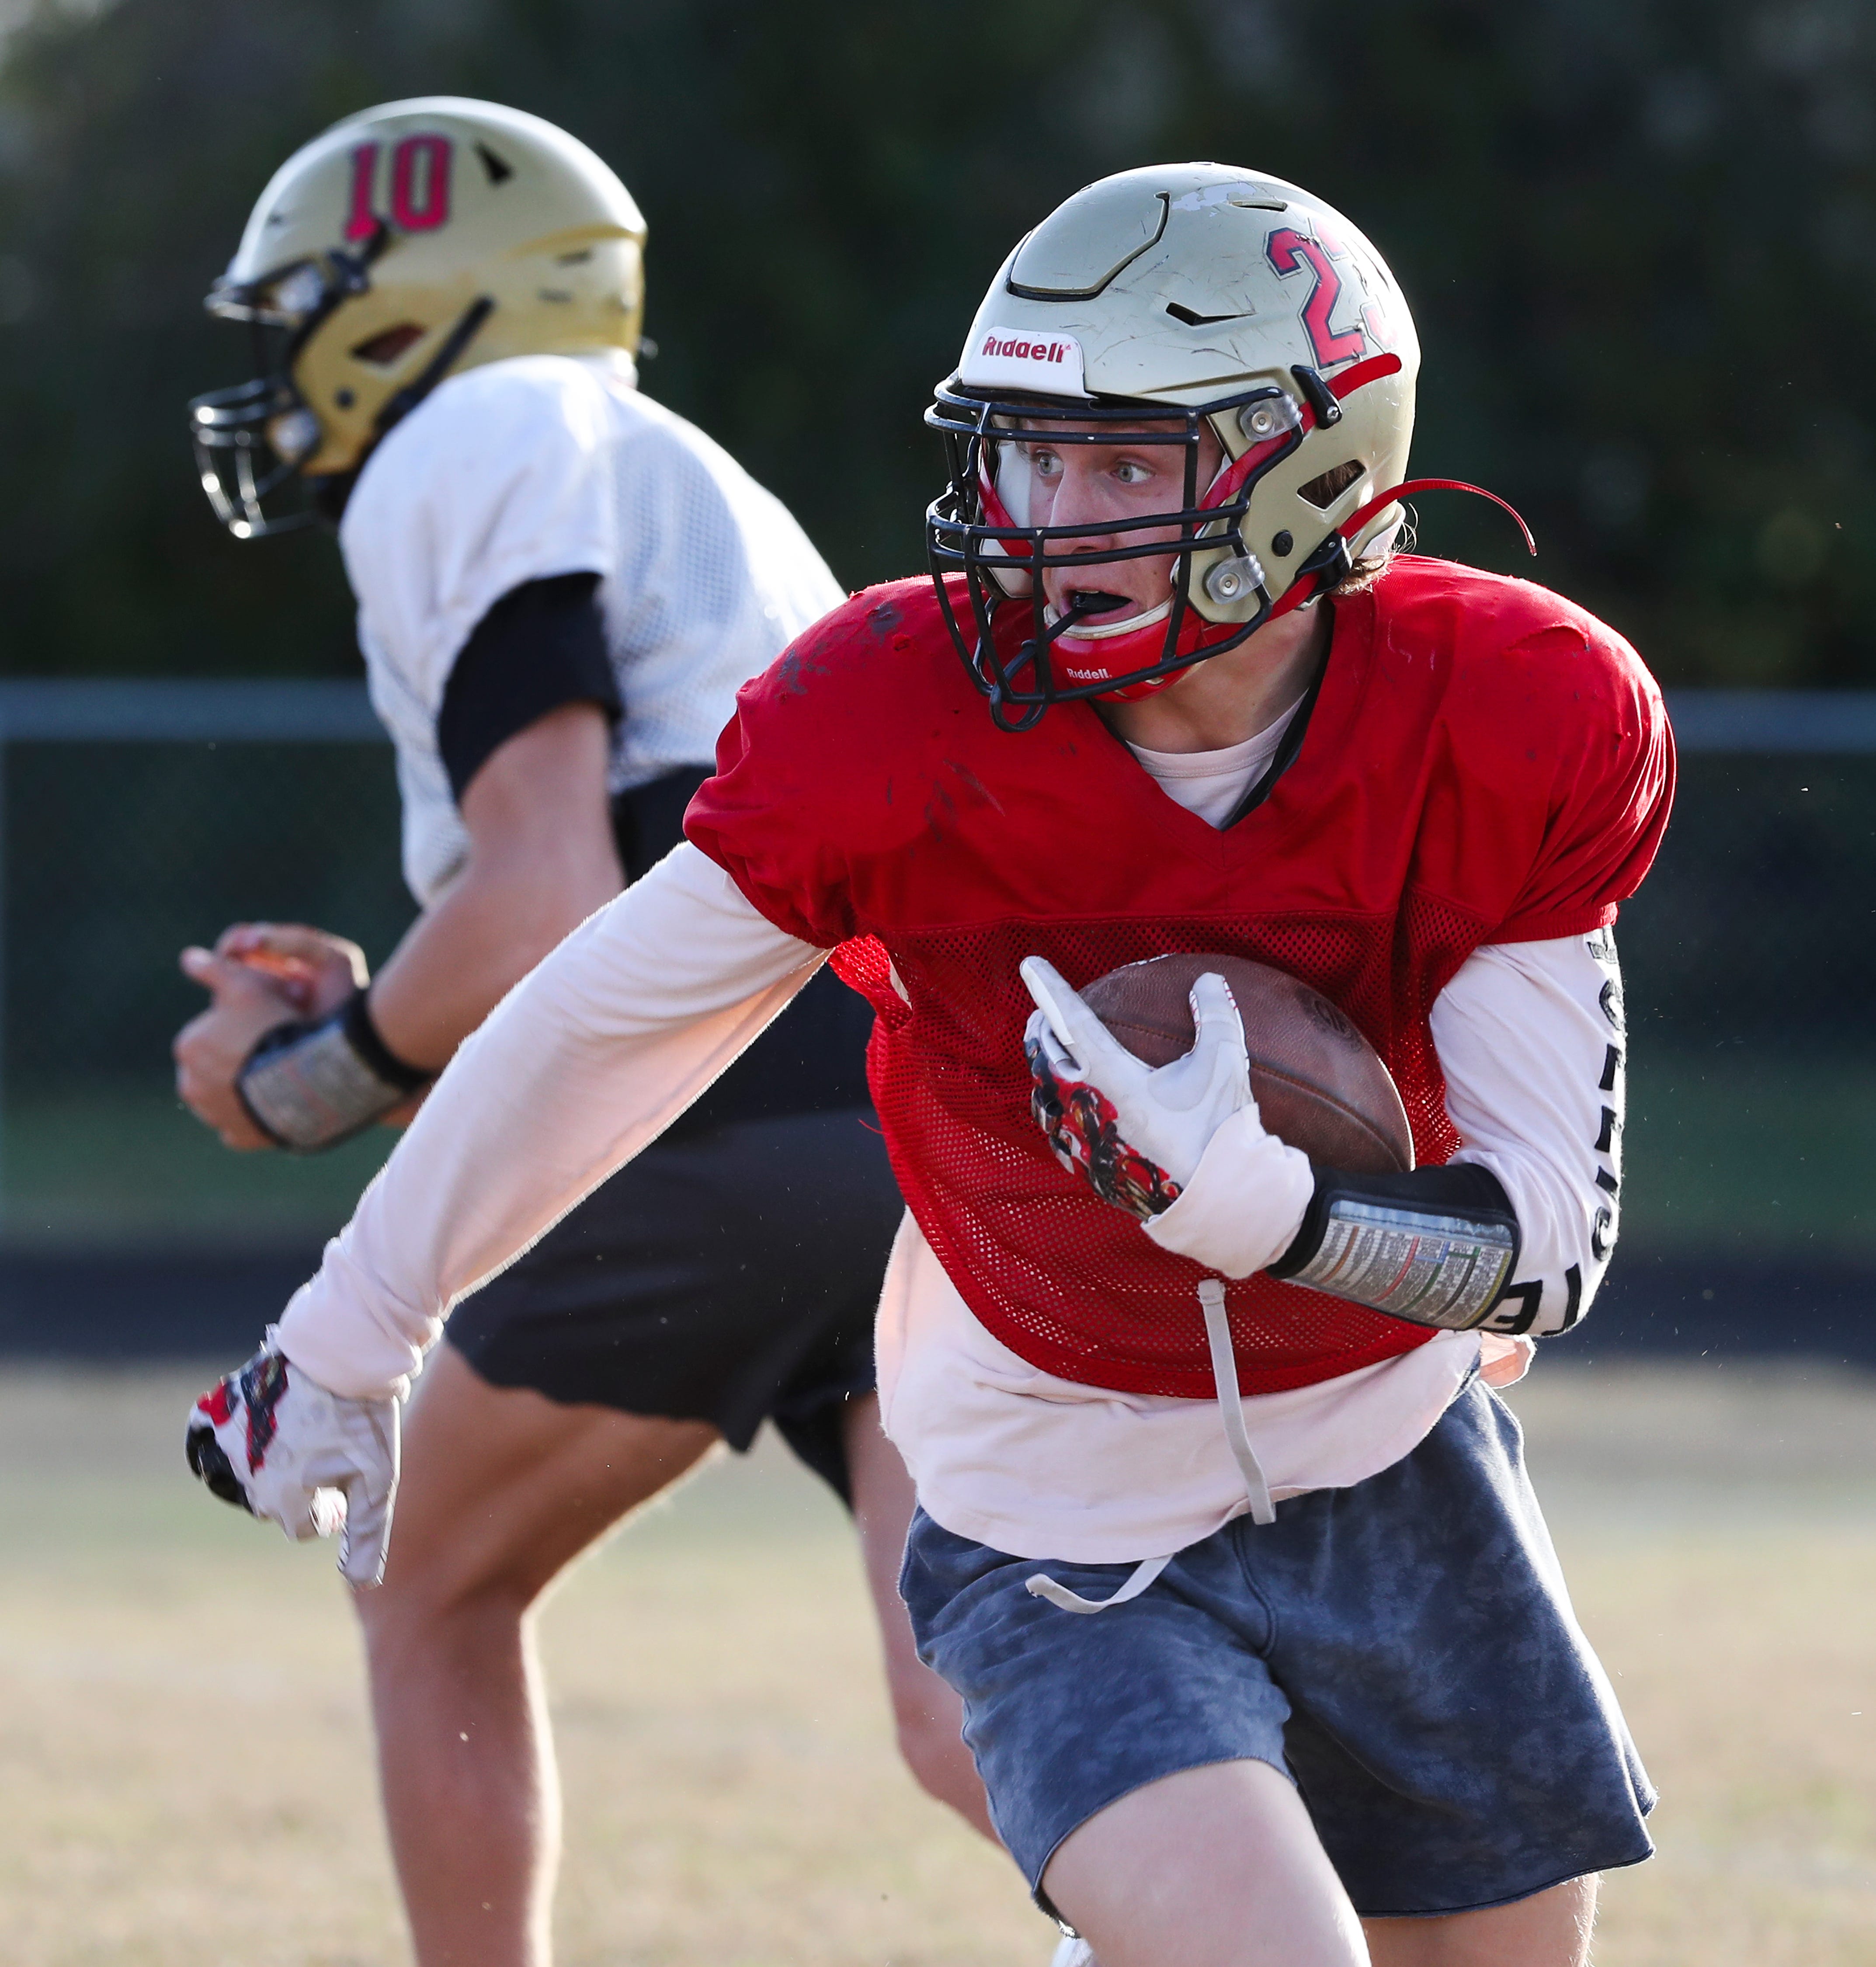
(1372, 370)
(1225, 485)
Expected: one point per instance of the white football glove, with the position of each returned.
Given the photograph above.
(1137, 1132)
(276, 1444)
(1181, 1146)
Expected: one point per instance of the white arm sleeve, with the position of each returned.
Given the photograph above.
(585, 1060)
(1530, 1037)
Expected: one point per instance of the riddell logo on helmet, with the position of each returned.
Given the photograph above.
(1029, 360)
(1013, 349)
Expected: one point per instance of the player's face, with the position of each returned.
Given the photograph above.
(1103, 485)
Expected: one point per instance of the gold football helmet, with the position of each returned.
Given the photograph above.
(409, 242)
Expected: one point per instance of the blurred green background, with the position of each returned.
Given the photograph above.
(1639, 238)
(1748, 958)
(1640, 244)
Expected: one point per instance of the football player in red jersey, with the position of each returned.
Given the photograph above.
(1225, 1538)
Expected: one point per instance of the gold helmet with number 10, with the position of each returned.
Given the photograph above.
(1197, 306)
(408, 243)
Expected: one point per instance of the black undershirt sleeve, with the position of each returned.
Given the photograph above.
(542, 645)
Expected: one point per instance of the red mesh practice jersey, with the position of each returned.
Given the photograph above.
(1484, 763)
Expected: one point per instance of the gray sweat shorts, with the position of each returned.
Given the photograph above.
(1404, 1651)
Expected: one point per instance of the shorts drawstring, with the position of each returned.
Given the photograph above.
(1230, 1405)
(1042, 1586)
(1231, 1411)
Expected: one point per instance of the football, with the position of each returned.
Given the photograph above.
(1320, 1085)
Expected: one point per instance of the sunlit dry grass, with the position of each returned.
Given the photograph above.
(184, 1775)
(1718, 1527)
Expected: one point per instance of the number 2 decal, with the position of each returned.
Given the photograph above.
(420, 186)
(1290, 251)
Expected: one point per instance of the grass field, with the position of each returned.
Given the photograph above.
(183, 1756)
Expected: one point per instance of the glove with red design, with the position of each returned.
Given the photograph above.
(1181, 1146)
(275, 1443)
(1136, 1132)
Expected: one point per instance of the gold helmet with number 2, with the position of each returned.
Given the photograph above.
(1155, 307)
(408, 243)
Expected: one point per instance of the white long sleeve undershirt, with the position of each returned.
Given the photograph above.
(590, 1057)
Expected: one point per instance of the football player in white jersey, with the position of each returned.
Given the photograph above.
(560, 587)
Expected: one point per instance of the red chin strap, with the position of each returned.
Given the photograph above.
(1141, 650)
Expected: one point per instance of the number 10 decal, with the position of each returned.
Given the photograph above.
(420, 186)
(1290, 251)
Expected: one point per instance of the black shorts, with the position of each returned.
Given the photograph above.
(729, 1276)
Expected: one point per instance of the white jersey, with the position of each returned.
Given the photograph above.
(545, 465)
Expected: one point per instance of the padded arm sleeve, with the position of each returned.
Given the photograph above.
(1434, 1247)
(584, 1062)
(1530, 1038)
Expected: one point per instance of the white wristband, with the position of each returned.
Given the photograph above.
(1245, 1203)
